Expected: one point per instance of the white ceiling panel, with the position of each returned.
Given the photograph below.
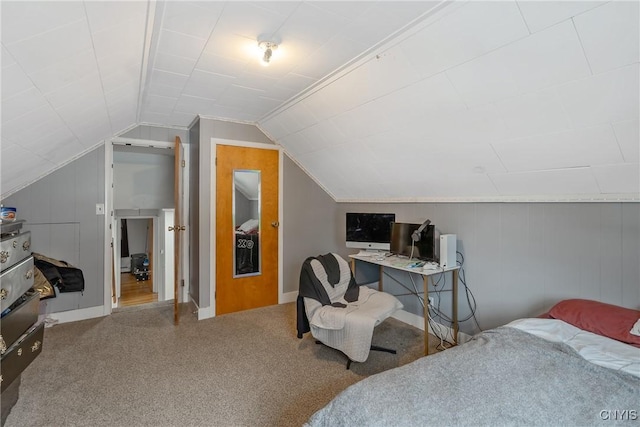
(104, 15)
(618, 178)
(23, 20)
(533, 113)
(604, 98)
(628, 136)
(574, 148)
(14, 81)
(160, 104)
(174, 64)
(336, 51)
(612, 25)
(486, 26)
(45, 49)
(63, 73)
(179, 44)
(313, 23)
(18, 164)
(195, 105)
(552, 182)
(212, 63)
(166, 78)
(6, 58)
(543, 14)
(544, 59)
(189, 18)
(87, 89)
(23, 125)
(401, 100)
(383, 19)
(21, 104)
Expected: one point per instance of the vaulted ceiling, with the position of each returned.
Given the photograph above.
(416, 100)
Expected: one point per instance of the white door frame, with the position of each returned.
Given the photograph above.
(208, 254)
(109, 217)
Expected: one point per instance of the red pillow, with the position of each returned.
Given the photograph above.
(600, 318)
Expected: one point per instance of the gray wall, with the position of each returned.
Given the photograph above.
(157, 133)
(194, 211)
(142, 179)
(211, 128)
(310, 223)
(60, 212)
(519, 258)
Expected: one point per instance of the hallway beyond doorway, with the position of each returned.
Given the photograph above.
(134, 292)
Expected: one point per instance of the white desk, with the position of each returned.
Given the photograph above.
(394, 262)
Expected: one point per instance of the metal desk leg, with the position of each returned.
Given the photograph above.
(425, 280)
(454, 309)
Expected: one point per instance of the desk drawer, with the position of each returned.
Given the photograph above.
(20, 355)
(18, 320)
(15, 282)
(14, 249)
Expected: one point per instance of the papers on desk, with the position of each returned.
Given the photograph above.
(406, 263)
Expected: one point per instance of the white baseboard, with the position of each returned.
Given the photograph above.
(203, 313)
(75, 315)
(288, 297)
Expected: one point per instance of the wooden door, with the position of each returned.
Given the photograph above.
(178, 228)
(236, 292)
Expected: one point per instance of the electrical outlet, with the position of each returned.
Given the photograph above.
(430, 301)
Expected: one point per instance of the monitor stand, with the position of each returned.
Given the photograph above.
(369, 252)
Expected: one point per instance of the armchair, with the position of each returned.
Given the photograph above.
(338, 312)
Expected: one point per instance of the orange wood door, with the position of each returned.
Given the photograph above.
(246, 291)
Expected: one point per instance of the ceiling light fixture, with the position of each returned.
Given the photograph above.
(268, 48)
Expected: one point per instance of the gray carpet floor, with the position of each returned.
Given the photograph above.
(135, 368)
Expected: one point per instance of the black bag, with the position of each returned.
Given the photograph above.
(61, 274)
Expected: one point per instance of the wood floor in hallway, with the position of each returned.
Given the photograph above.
(134, 292)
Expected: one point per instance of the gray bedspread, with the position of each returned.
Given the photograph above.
(502, 377)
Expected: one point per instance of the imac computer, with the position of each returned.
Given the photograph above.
(402, 242)
(369, 231)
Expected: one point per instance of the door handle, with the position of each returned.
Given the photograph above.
(275, 224)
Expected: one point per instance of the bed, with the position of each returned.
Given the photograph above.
(578, 365)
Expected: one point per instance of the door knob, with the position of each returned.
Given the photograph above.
(275, 224)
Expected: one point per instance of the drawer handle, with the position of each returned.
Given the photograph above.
(29, 274)
(4, 256)
(35, 346)
(20, 352)
(3, 293)
(26, 245)
(3, 345)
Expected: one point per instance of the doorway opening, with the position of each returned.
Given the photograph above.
(144, 252)
(137, 285)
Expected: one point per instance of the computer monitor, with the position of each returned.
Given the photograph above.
(401, 241)
(370, 231)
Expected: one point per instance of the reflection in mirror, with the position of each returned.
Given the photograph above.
(246, 222)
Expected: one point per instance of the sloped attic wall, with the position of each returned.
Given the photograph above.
(524, 100)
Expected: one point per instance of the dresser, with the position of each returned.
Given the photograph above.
(21, 335)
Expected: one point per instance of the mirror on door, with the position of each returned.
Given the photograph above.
(246, 223)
